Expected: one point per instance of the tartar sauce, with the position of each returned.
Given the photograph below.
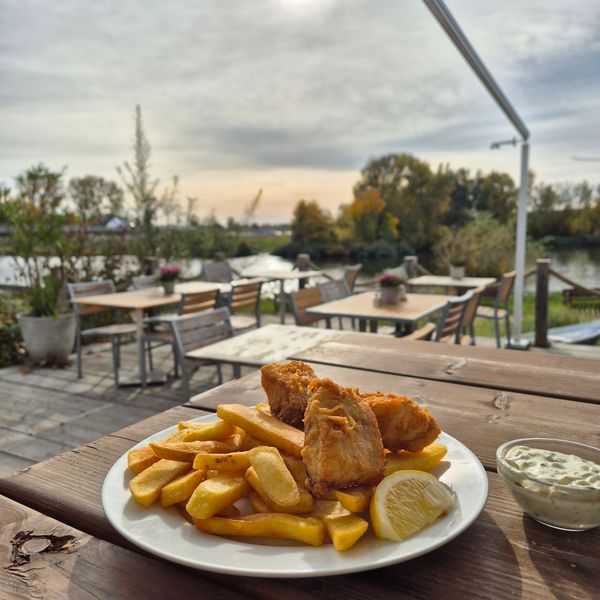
(554, 467)
(562, 490)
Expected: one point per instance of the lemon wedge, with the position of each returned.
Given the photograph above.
(407, 501)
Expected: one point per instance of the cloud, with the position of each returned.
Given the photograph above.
(292, 86)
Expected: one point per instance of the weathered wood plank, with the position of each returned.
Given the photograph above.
(520, 377)
(538, 359)
(481, 418)
(82, 566)
(68, 487)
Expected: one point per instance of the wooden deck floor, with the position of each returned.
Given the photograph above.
(45, 412)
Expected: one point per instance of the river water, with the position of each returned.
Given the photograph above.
(582, 266)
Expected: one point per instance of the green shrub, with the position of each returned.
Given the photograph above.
(11, 346)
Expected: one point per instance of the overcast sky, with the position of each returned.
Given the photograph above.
(292, 96)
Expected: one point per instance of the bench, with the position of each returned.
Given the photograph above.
(580, 295)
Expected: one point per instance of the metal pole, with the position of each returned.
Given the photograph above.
(520, 250)
(459, 39)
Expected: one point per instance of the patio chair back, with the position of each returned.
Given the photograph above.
(505, 288)
(90, 288)
(219, 271)
(246, 294)
(198, 302)
(334, 290)
(351, 274)
(143, 282)
(449, 324)
(471, 311)
(200, 329)
(303, 299)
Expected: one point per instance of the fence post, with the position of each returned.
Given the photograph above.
(541, 302)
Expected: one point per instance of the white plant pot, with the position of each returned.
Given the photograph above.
(48, 339)
(457, 272)
(390, 295)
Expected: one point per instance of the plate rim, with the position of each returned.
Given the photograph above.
(120, 466)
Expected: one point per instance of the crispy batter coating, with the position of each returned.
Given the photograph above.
(286, 386)
(342, 443)
(403, 424)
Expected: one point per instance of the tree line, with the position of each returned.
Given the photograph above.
(401, 206)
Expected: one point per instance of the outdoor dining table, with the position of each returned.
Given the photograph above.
(448, 283)
(267, 344)
(503, 554)
(282, 275)
(363, 307)
(137, 301)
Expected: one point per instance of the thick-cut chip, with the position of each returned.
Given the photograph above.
(424, 460)
(216, 494)
(180, 489)
(187, 451)
(219, 430)
(303, 506)
(345, 531)
(265, 427)
(270, 525)
(139, 459)
(297, 469)
(146, 486)
(257, 502)
(327, 509)
(355, 499)
(276, 480)
(249, 441)
(233, 461)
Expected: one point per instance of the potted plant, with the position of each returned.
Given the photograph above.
(392, 289)
(41, 252)
(168, 277)
(457, 267)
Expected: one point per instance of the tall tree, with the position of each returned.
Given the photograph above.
(137, 180)
(310, 225)
(496, 193)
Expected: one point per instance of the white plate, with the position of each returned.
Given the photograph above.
(165, 533)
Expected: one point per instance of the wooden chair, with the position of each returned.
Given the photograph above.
(195, 331)
(351, 274)
(500, 309)
(303, 299)
(335, 290)
(118, 333)
(159, 331)
(244, 294)
(469, 317)
(449, 324)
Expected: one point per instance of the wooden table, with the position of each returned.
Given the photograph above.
(447, 282)
(361, 306)
(139, 300)
(504, 554)
(271, 343)
(282, 275)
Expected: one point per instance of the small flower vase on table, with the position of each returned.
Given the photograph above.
(392, 289)
(168, 278)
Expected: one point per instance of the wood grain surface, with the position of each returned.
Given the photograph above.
(470, 370)
(502, 555)
(82, 566)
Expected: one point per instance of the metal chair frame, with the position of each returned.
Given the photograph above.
(91, 288)
(505, 286)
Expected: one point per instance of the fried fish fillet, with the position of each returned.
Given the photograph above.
(342, 443)
(286, 387)
(403, 424)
